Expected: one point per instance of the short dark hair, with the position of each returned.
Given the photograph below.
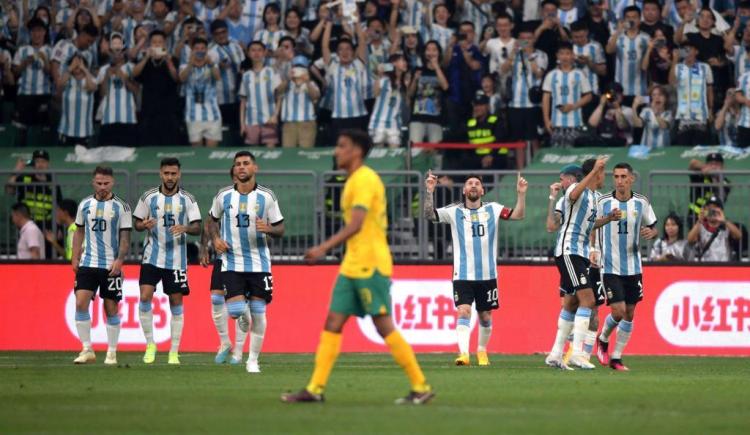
(505, 16)
(477, 176)
(90, 30)
(550, 2)
(633, 8)
(579, 25)
(157, 32)
(170, 161)
(652, 2)
(287, 38)
(68, 206)
(103, 170)
(467, 23)
(244, 153)
(199, 40)
(623, 165)
(344, 41)
(22, 209)
(565, 45)
(588, 166)
(256, 42)
(359, 138)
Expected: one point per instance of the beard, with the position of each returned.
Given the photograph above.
(473, 196)
(243, 178)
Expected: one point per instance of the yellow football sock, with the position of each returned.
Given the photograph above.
(325, 358)
(404, 356)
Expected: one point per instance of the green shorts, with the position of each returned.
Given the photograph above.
(362, 296)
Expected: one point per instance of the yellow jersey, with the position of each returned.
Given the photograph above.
(366, 251)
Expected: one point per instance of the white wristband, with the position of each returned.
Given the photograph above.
(551, 198)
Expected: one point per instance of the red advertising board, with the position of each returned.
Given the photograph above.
(686, 311)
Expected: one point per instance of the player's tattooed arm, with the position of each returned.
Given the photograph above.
(122, 252)
(193, 228)
(428, 204)
(553, 218)
(212, 226)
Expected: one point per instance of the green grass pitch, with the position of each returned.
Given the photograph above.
(46, 393)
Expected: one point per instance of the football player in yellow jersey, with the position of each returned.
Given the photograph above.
(363, 284)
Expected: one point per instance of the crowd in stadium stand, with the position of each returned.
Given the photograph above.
(294, 72)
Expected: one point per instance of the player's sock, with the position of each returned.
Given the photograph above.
(113, 332)
(219, 314)
(325, 358)
(239, 340)
(564, 326)
(258, 328)
(623, 336)
(485, 331)
(404, 356)
(609, 325)
(463, 331)
(178, 320)
(146, 315)
(588, 342)
(83, 326)
(580, 328)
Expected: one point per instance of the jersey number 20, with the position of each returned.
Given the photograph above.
(98, 224)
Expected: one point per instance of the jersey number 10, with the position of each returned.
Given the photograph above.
(477, 230)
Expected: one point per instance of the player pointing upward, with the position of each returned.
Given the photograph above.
(474, 230)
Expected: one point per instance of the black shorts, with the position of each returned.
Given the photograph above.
(574, 273)
(595, 278)
(524, 123)
(248, 284)
(93, 279)
(173, 281)
(484, 293)
(628, 288)
(32, 109)
(216, 276)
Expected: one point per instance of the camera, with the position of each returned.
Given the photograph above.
(386, 67)
(712, 213)
(629, 24)
(462, 37)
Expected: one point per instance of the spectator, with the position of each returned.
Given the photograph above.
(742, 96)
(282, 60)
(199, 77)
(707, 181)
(272, 31)
(117, 91)
(464, 75)
(629, 44)
(437, 27)
(63, 52)
(139, 48)
(476, 12)
(30, 244)
(299, 96)
(241, 27)
(738, 54)
(695, 97)
(427, 88)
(598, 25)
(301, 35)
(35, 190)
(157, 75)
(655, 119)
(499, 49)
(77, 87)
(390, 89)
(652, 21)
(489, 88)
(568, 13)
(589, 59)
(712, 234)
(228, 55)
(136, 16)
(727, 120)
(711, 51)
(411, 47)
(658, 58)
(611, 119)
(566, 91)
(672, 246)
(65, 215)
(259, 114)
(685, 20)
(207, 11)
(32, 64)
(483, 129)
(549, 32)
(526, 65)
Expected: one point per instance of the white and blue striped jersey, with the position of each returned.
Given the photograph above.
(474, 233)
(253, 11)
(413, 13)
(566, 87)
(296, 104)
(64, 50)
(33, 80)
(743, 85)
(128, 30)
(568, 17)
(201, 102)
(205, 14)
(241, 30)
(228, 58)
(521, 84)
(440, 34)
(347, 83)
(629, 55)
(479, 14)
(258, 90)
(653, 135)
(237, 212)
(578, 221)
(621, 251)
(386, 113)
(692, 91)
(594, 51)
(119, 103)
(102, 222)
(76, 118)
(268, 38)
(728, 131)
(161, 249)
(618, 6)
(741, 60)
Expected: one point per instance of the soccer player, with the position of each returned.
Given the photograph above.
(249, 213)
(572, 259)
(100, 245)
(168, 213)
(363, 285)
(627, 216)
(474, 230)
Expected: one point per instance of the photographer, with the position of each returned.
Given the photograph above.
(199, 77)
(655, 119)
(464, 76)
(658, 59)
(77, 87)
(117, 90)
(549, 32)
(630, 45)
(712, 233)
(611, 120)
(695, 97)
(299, 96)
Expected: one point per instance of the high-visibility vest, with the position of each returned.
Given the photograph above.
(483, 133)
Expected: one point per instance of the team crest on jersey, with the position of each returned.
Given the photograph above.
(168, 208)
(243, 208)
(482, 216)
(99, 213)
(583, 279)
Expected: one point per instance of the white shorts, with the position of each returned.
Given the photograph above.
(391, 136)
(199, 130)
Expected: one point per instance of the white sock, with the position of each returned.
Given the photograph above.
(147, 321)
(463, 331)
(484, 337)
(113, 336)
(564, 326)
(580, 328)
(239, 341)
(84, 332)
(588, 343)
(219, 314)
(257, 333)
(623, 336)
(176, 328)
(609, 325)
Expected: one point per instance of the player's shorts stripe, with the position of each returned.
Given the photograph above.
(571, 270)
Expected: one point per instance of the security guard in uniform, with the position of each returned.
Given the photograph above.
(705, 182)
(484, 128)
